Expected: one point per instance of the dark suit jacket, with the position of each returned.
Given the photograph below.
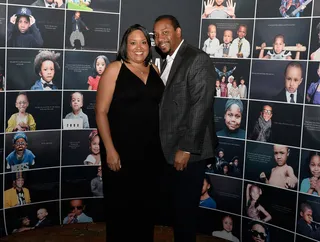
(304, 229)
(44, 223)
(40, 3)
(186, 108)
(282, 96)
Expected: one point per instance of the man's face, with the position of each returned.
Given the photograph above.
(242, 32)
(227, 36)
(281, 154)
(267, 113)
(23, 24)
(42, 213)
(76, 207)
(293, 79)
(167, 39)
(307, 215)
(20, 182)
(50, 1)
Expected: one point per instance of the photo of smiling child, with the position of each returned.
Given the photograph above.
(94, 146)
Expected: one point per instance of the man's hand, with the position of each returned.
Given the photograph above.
(181, 160)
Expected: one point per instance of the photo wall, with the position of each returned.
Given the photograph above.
(264, 180)
(51, 56)
(263, 184)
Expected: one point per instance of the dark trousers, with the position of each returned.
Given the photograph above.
(180, 199)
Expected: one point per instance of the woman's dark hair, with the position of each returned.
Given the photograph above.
(122, 53)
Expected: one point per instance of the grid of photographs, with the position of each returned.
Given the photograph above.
(264, 183)
(52, 55)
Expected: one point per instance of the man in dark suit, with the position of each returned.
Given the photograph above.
(292, 80)
(186, 123)
(49, 3)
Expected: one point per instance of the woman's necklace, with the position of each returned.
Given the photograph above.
(141, 72)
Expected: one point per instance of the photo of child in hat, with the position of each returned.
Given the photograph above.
(22, 30)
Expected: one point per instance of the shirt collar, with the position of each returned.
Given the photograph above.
(169, 58)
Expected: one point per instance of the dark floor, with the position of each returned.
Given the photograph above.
(94, 232)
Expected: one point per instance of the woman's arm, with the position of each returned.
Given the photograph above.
(103, 100)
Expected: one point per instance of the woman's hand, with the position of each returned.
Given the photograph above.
(113, 160)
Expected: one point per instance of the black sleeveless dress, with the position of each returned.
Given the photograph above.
(134, 125)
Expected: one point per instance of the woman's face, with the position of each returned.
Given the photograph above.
(232, 117)
(315, 166)
(137, 47)
(227, 224)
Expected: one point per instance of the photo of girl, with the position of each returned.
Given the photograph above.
(99, 65)
(45, 66)
(21, 121)
(253, 207)
(311, 184)
(226, 233)
(94, 147)
(232, 119)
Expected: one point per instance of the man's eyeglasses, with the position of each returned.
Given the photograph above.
(77, 207)
(21, 103)
(255, 233)
(267, 111)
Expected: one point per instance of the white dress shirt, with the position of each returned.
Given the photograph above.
(289, 97)
(165, 73)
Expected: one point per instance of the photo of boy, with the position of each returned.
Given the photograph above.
(43, 221)
(224, 48)
(20, 158)
(21, 121)
(22, 30)
(45, 66)
(293, 77)
(240, 47)
(211, 45)
(282, 175)
(76, 105)
(216, 9)
(99, 65)
(278, 52)
(243, 88)
(206, 200)
(77, 26)
(305, 225)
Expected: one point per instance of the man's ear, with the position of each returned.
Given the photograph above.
(179, 32)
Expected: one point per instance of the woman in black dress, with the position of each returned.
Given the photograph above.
(127, 115)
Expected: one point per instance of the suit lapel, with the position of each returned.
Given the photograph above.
(176, 62)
